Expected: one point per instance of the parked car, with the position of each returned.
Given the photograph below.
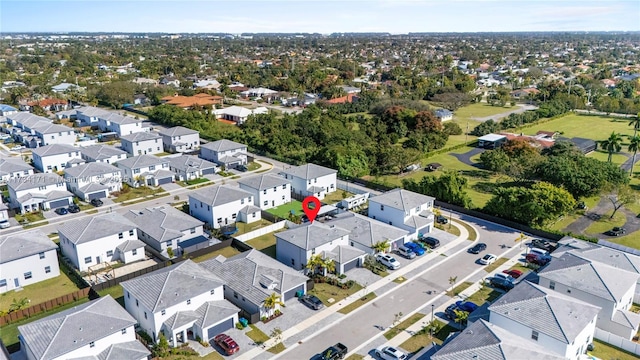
(388, 261)
(242, 168)
(581, 206)
(4, 224)
(616, 231)
(450, 311)
(61, 211)
(539, 252)
(96, 202)
(73, 208)
(478, 248)
(513, 273)
(227, 344)
(390, 353)
(542, 244)
(312, 301)
(488, 259)
(501, 284)
(467, 306)
(431, 242)
(416, 248)
(538, 260)
(335, 352)
(504, 276)
(441, 219)
(406, 252)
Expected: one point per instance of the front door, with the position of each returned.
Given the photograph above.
(97, 259)
(273, 203)
(16, 282)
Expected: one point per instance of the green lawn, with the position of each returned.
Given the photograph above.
(458, 289)
(605, 351)
(30, 217)
(617, 159)
(495, 265)
(265, 243)
(283, 211)
(257, 335)
(564, 221)
(403, 326)
(472, 232)
(116, 292)
(40, 292)
(479, 110)
(423, 338)
(244, 228)
(129, 193)
(355, 357)
(449, 228)
(485, 294)
(253, 166)
(336, 196)
(590, 127)
(277, 348)
(227, 252)
(193, 181)
(356, 304)
(605, 223)
(324, 292)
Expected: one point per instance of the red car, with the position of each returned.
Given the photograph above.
(513, 273)
(227, 344)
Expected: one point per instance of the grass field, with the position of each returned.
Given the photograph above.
(134, 193)
(479, 110)
(590, 127)
(403, 326)
(40, 292)
(356, 304)
(265, 243)
(244, 228)
(227, 252)
(423, 338)
(324, 292)
(605, 351)
(283, 211)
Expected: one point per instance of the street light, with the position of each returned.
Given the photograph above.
(432, 306)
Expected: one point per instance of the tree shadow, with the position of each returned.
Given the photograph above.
(480, 174)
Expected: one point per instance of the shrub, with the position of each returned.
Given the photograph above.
(239, 326)
(170, 252)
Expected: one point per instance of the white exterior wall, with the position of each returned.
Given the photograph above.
(129, 256)
(191, 142)
(300, 185)
(100, 345)
(17, 268)
(65, 137)
(274, 197)
(152, 146)
(173, 243)
(397, 217)
(87, 119)
(211, 155)
(129, 175)
(286, 251)
(16, 174)
(50, 163)
(606, 305)
(227, 213)
(110, 160)
(15, 195)
(4, 214)
(95, 249)
(113, 180)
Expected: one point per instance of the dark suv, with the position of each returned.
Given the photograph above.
(431, 242)
(73, 208)
(441, 219)
(503, 284)
(96, 202)
(616, 231)
(542, 244)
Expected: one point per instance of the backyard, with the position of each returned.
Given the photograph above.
(283, 211)
(336, 196)
(40, 292)
(129, 193)
(227, 252)
(244, 228)
(265, 243)
(605, 351)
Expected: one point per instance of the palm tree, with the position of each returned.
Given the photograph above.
(634, 144)
(612, 144)
(636, 124)
(461, 317)
(18, 304)
(381, 246)
(328, 265)
(314, 262)
(271, 302)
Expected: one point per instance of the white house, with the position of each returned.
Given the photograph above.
(88, 115)
(165, 227)
(102, 153)
(311, 180)
(38, 192)
(250, 277)
(93, 180)
(144, 170)
(54, 134)
(122, 125)
(189, 167)
(26, 258)
(180, 139)
(93, 240)
(258, 92)
(268, 190)
(13, 167)
(611, 289)
(444, 114)
(6, 110)
(227, 153)
(354, 201)
(239, 114)
(99, 329)
(52, 158)
(222, 205)
(404, 209)
(182, 301)
(365, 232)
(4, 212)
(558, 322)
(141, 143)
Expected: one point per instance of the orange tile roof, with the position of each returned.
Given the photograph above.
(227, 121)
(342, 100)
(190, 101)
(47, 102)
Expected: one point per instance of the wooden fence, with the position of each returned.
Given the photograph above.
(45, 306)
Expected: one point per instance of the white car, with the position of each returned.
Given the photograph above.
(505, 277)
(390, 353)
(388, 261)
(4, 224)
(488, 259)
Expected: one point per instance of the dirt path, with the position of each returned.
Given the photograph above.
(521, 108)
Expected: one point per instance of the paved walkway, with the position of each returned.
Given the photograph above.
(521, 108)
(321, 315)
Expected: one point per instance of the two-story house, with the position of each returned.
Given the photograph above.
(227, 153)
(222, 205)
(181, 301)
(365, 232)
(252, 276)
(311, 180)
(99, 329)
(102, 153)
(38, 192)
(54, 134)
(89, 115)
(404, 209)
(560, 323)
(165, 227)
(606, 287)
(55, 157)
(13, 167)
(93, 240)
(180, 139)
(141, 143)
(189, 167)
(268, 190)
(145, 170)
(26, 258)
(93, 180)
(121, 125)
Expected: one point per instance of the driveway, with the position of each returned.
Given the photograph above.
(466, 157)
(293, 313)
(521, 108)
(170, 187)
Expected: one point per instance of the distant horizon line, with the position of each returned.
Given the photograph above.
(314, 33)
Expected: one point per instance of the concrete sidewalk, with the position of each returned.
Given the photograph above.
(316, 318)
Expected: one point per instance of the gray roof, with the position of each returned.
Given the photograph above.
(140, 136)
(212, 312)
(262, 182)
(180, 319)
(223, 145)
(91, 228)
(546, 311)
(54, 149)
(13, 164)
(485, 341)
(163, 223)
(401, 199)
(141, 161)
(177, 131)
(219, 195)
(130, 245)
(244, 272)
(100, 152)
(589, 276)
(92, 111)
(131, 350)
(189, 163)
(118, 119)
(418, 222)
(312, 235)
(626, 318)
(20, 245)
(72, 329)
(342, 254)
(90, 169)
(309, 171)
(249, 209)
(365, 230)
(49, 128)
(172, 285)
(603, 254)
(34, 181)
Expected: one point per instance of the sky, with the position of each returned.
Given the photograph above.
(328, 16)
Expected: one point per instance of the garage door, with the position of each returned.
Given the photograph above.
(164, 181)
(292, 293)
(351, 265)
(220, 328)
(208, 171)
(59, 203)
(98, 195)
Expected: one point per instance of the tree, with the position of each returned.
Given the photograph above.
(397, 317)
(449, 187)
(622, 195)
(271, 302)
(161, 349)
(612, 144)
(18, 304)
(381, 246)
(328, 265)
(521, 238)
(452, 280)
(452, 100)
(636, 124)
(461, 317)
(314, 263)
(634, 145)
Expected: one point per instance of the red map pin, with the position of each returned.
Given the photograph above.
(311, 212)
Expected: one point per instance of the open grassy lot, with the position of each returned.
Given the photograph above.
(478, 110)
(590, 127)
(40, 292)
(244, 228)
(325, 291)
(403, 326)
(129, 193)
(265, 243)
(617, 159)
(227, 252)
(605, 223)
(283, 211)
(336, 196)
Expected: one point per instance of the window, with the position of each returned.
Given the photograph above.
(124, 331)
(163, 312)
(284, 186)
(241, 201)
(534, 335)
(134, 251)
(120, 236)
(282, 197)
(192, 230)
(266, 203)
(130, 232)
(264, 191)
(418, 209)
(275, 189)
(137, 302)
(233, 216)
(212, 292)
(569, 291)
(92, 344)
(189, 302)
(552, 285)
(293, 262)
(3, 282)
(42, 188)
(152, 167)
(110, 253)
(41, 255)
(145, 314)
(27, 275)
(253, 215)
(47, 269)
(219, 220)
(381, 207)
(49, 167)
(136, 171)
(128, 295)
(235, 294)
(87, 260)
